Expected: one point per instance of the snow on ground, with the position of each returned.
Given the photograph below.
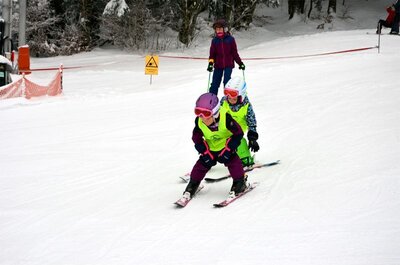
(90, 177)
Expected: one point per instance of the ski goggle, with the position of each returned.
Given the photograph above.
(201, 112)
(206, 113)
(231, 93)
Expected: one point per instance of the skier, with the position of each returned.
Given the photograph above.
(223, 55)
(388, 23)
(237, 104)
(216, 136)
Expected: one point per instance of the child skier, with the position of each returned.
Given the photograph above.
(237, 104)
(216, 136)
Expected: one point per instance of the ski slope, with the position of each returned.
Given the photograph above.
(90, 177)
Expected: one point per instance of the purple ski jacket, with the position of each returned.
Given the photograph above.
(224, 52)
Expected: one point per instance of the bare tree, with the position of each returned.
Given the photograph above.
(243, 11)
(317, 4)
(332, 6)
(189, 11)
(295, 7)
(238, 13)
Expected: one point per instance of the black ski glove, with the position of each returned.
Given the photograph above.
(201, 147)
(253, 146)
(210, 67)
(253, 137)
(231, 144)
(242, 66)
(207, 160)
(225, 156)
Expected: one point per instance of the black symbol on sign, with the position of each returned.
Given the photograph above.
(152, 63)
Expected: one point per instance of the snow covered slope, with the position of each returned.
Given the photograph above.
(90, 177)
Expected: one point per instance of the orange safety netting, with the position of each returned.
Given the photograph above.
(28, 89)
(12, 90)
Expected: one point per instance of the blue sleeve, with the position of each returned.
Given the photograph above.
(251, 119)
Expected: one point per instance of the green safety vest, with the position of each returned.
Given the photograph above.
(216, 140)
(239, 116)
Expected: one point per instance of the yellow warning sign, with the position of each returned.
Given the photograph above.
(151, 66)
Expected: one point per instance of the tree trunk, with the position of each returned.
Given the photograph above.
(243, 13)
(189, 10)
(295, 6)
(332, 6)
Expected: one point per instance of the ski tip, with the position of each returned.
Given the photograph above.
(184, 179)
(178, 205)
(277, 162)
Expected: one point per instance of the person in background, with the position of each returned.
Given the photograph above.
(237, 104)
(216, 136)
(388, 22)
(395, 25)
(223, 55)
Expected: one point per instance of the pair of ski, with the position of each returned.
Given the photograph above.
(186, 177)
(182, 202)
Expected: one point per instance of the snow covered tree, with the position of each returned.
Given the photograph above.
(62, 26)
(41, 28)
(116, 7)
(126, 25)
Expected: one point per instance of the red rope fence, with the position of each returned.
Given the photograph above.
(276, 58)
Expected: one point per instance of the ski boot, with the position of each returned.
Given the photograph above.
(191, 189)
(239, 186)
(247, 162)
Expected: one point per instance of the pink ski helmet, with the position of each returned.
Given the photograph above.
(207, 105)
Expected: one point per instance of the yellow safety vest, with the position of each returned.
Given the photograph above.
(239, 116)
(216, 140)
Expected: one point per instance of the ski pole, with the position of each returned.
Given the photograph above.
(379, 42)
(244, 79)
(208, 85)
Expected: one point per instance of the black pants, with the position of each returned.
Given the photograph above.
(395, 26)
(382, 23)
